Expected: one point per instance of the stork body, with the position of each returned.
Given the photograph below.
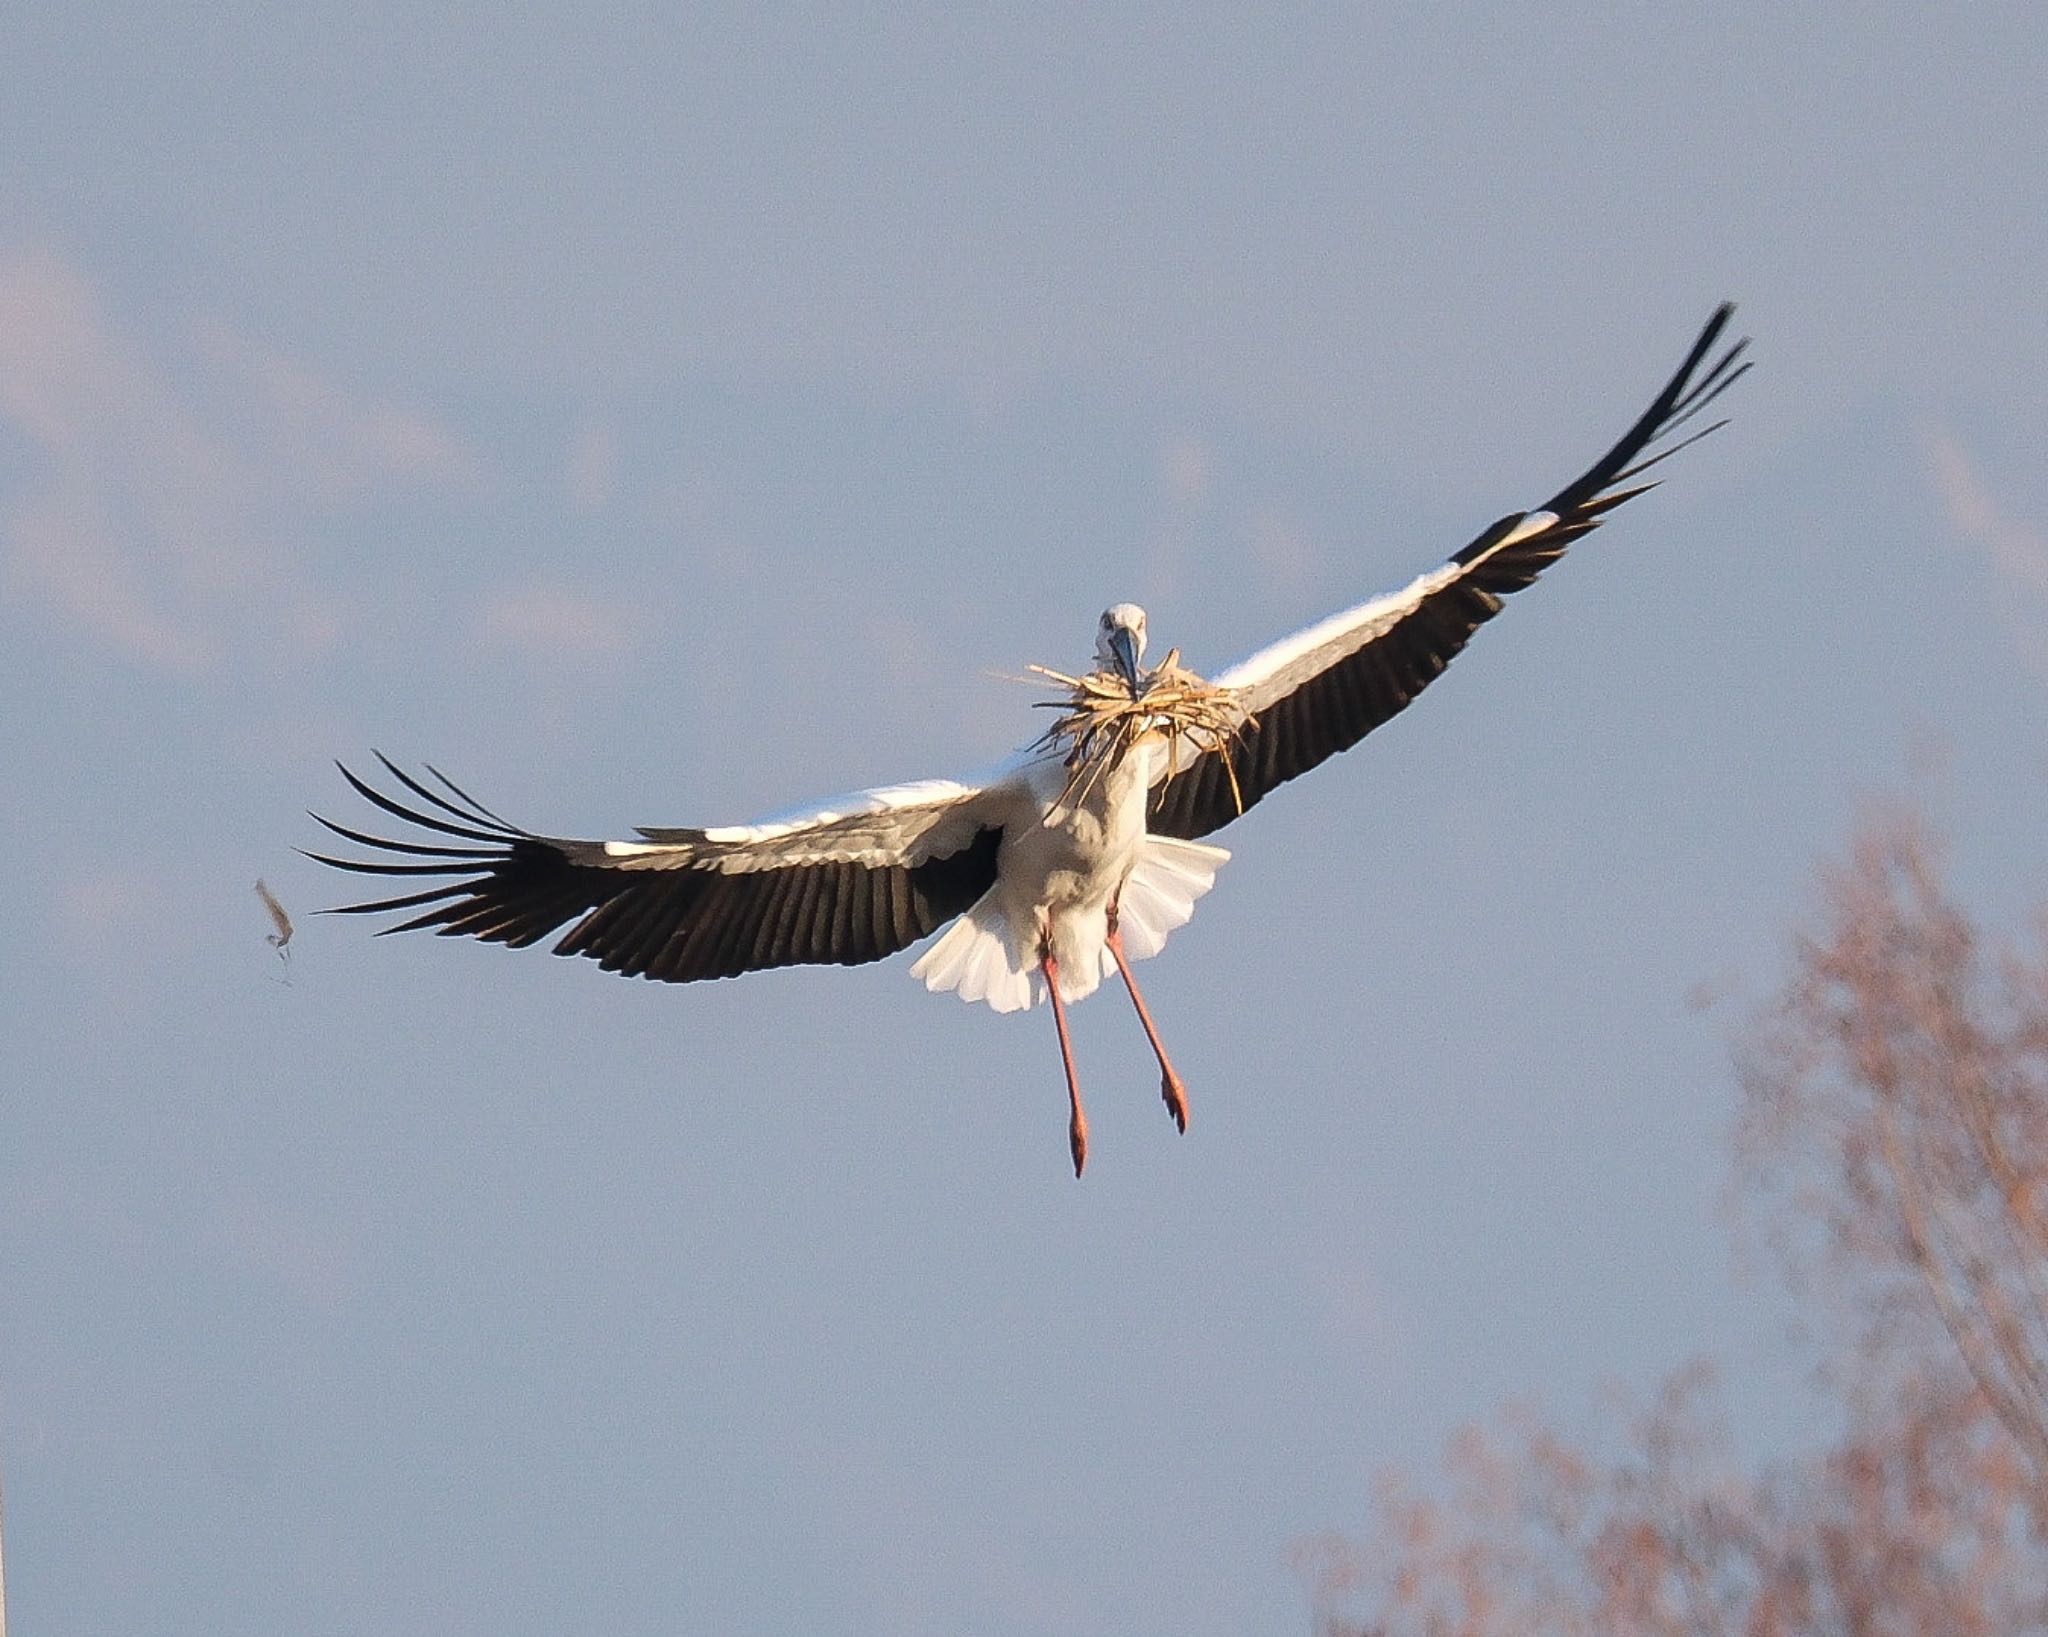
(1073, 872)
(1050, 883)
(1060, 868)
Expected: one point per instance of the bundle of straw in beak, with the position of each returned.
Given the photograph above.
(1103, 717)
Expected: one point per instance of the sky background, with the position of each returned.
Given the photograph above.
(658, 416)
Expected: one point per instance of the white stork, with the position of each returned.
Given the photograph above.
(1047, 890)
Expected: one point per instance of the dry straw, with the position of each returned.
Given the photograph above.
(1103, 718)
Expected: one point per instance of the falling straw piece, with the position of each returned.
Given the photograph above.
(278, 940)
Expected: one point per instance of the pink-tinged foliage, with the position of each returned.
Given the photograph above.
(1894, 1152)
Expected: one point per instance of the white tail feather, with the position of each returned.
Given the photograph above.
(978, 958)
(1161, 892)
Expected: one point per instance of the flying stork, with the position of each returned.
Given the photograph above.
(1048, 887)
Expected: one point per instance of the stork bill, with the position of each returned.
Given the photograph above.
(1066, 863)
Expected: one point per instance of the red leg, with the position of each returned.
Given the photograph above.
(1077, 1125)
(1171, 1086)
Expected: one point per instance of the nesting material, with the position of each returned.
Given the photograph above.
(280, 940)
(1101, 720)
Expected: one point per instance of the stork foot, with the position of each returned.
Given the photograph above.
(1176, 1095)
(1077, 1140)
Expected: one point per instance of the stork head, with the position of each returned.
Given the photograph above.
(1120, 642)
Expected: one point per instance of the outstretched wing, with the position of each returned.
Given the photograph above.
(843, 883)
(1322, 690)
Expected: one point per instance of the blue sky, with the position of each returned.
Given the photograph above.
(657, 418)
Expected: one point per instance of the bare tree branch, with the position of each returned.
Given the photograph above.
(1894, 1153)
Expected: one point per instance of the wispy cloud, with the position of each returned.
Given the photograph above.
(2019, 555)
(1186, 471)
(546, 623)
(104, 911)
(334, 446)
(593, 468)
(167, 489)
(1285, 555)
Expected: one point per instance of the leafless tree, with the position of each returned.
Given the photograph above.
(1894, 1152)
(1895, 1133)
